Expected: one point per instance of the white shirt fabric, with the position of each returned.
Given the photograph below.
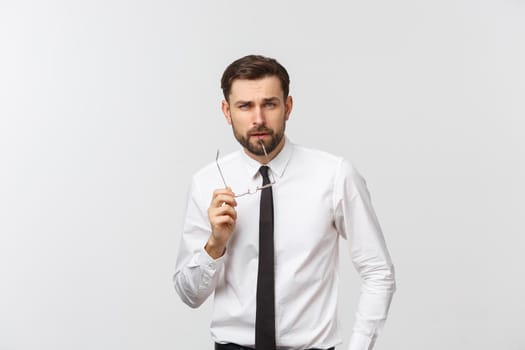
(318, 198)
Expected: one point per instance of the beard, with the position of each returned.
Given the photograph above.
(255, 147)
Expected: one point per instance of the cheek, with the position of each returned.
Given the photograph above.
(238, 124)
(279, 119)
(241, 121)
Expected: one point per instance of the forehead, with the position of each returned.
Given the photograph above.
(248, 90)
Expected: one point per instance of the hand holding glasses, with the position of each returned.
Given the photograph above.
(252, 190)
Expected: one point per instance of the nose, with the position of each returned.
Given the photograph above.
(259, 118)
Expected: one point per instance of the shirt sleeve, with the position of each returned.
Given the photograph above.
(356, 221)
(196, 273)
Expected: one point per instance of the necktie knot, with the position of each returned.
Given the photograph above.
(264, 172)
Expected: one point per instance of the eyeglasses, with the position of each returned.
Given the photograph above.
(252, 190)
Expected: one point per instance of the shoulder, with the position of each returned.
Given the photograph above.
(316, 158)
(315, 155)
(319, 160)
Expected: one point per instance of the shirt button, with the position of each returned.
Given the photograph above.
(212, 265)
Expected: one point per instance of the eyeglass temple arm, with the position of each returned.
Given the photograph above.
(264, 150)
(220, 171)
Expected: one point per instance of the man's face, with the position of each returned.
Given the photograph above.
(258, 111)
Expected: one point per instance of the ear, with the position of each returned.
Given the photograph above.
(225, 106)
(288, 105)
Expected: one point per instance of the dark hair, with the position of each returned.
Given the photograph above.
(253, 67)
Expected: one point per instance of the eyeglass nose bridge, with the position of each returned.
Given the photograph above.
(258, 188)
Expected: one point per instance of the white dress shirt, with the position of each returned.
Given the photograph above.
(317, 198)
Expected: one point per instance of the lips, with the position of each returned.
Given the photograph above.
(260, 133)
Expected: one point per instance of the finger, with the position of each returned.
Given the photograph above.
(224, 210)
(220, 191)
(223, 220)
(220, 220)
(224, 198)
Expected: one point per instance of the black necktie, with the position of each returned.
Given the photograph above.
(265, 314)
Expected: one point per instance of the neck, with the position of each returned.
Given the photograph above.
(262, 159)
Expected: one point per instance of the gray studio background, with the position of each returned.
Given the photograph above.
(108, 107)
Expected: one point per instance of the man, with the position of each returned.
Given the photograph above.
(270, 255)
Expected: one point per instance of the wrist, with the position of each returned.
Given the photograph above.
(214, 249)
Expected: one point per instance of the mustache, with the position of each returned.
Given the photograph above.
(259, 130)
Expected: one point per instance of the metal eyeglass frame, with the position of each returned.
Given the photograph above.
(249, 191)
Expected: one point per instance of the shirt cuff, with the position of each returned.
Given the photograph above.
(207, 262)
(360, 342)
(208, 267)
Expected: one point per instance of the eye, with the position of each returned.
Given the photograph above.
(269, 104)
(244, 106)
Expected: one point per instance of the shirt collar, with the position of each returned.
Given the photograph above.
(277, 165)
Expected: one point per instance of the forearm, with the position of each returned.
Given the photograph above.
(378, 286)
(371, 314)
(197, 279)
(356, 220)
(200, 258)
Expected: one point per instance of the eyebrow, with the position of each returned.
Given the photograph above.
(240, 103)
(265, 100)
(271, 99)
